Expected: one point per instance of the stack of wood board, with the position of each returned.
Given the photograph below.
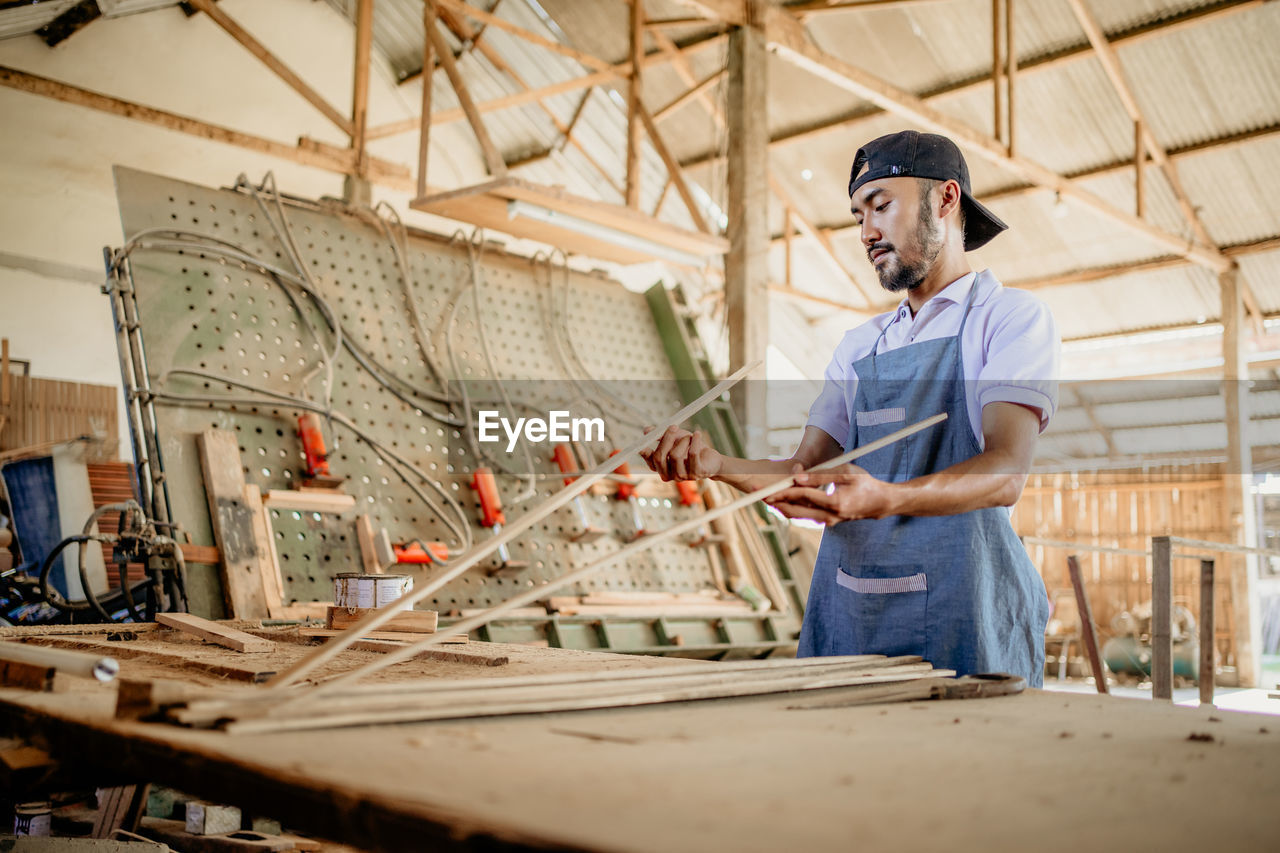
(380, 703)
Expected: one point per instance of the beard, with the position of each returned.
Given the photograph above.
(908, 269)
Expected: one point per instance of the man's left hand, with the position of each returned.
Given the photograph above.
(839, 494)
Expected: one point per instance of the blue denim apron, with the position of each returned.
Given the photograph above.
(958, 590)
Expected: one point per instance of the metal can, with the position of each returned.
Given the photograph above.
(32, 818)
(353, 589)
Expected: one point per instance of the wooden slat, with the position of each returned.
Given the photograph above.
(265, 552)
(233, 524)
(222, 635)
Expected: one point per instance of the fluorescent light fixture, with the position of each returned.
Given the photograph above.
(587, 228)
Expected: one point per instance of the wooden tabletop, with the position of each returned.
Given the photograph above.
(1043, 771)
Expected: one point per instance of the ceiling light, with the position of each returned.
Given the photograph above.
(587, 228)
(807, 174)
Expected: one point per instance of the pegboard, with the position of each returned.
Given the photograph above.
(224, 317)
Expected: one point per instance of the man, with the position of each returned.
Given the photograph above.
(918, 556)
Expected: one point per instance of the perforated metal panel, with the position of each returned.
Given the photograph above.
(207, 313)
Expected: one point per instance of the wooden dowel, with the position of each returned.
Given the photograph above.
(642, 544)
(1206, 632)
(510, 532)
(1087, 629)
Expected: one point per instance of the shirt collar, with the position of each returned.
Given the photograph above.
(957, 291)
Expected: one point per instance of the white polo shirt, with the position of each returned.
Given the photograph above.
(1010, 350)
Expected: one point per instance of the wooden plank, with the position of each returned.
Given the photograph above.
(492, 157)
(1208, 643)
(177, 660)
(269, 59)
(265, 551)
(368, 548)
(309, 501)
(401, 636)
(411, 621)
(1088, 630)
(212, 632)
(233, 524)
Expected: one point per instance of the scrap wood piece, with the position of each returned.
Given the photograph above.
(265, 551)
(174, 833)
(233, 524)
(479, 657)
(409, 621)
(211, 631)
(310, 501)
(175, 659)
(402, 636)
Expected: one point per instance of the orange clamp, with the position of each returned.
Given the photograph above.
(625, 490)
(564, 457)
(688, 490)
(486, 487)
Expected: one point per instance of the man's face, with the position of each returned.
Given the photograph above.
(900, 232)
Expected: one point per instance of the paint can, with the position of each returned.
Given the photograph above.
(32, 818)
(353, 589)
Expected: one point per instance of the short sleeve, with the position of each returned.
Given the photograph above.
(830, 412)
(1023, 352)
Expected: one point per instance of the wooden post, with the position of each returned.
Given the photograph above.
(1087, 629)
(1241, 510)
(1139, 158)
(1206, 632)
(1012, 59)
(633, 105)
(746, 265)
(360, 90)
(997, 73)
(428, 77)
(1161, 618)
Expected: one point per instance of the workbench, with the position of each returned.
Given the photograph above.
(1037, 770)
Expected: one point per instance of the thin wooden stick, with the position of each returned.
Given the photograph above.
(644, 543)
(520, 525)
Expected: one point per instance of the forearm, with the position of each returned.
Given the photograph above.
(751, 474)
(990, 479)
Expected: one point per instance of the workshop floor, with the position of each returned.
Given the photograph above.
(1254, 700)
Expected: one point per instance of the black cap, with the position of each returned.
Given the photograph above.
(911, 154)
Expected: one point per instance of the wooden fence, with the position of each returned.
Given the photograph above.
(39, 411)
(1124, 509)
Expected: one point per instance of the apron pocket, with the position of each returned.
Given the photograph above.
(886, 609)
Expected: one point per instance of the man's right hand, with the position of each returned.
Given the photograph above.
(683, 455)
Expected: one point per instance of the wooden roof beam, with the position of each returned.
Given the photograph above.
(1119, 82)
(823, 243)
(269, 59)
(787, 38)
(587, 81)
(493, 160)
(1193, 17)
